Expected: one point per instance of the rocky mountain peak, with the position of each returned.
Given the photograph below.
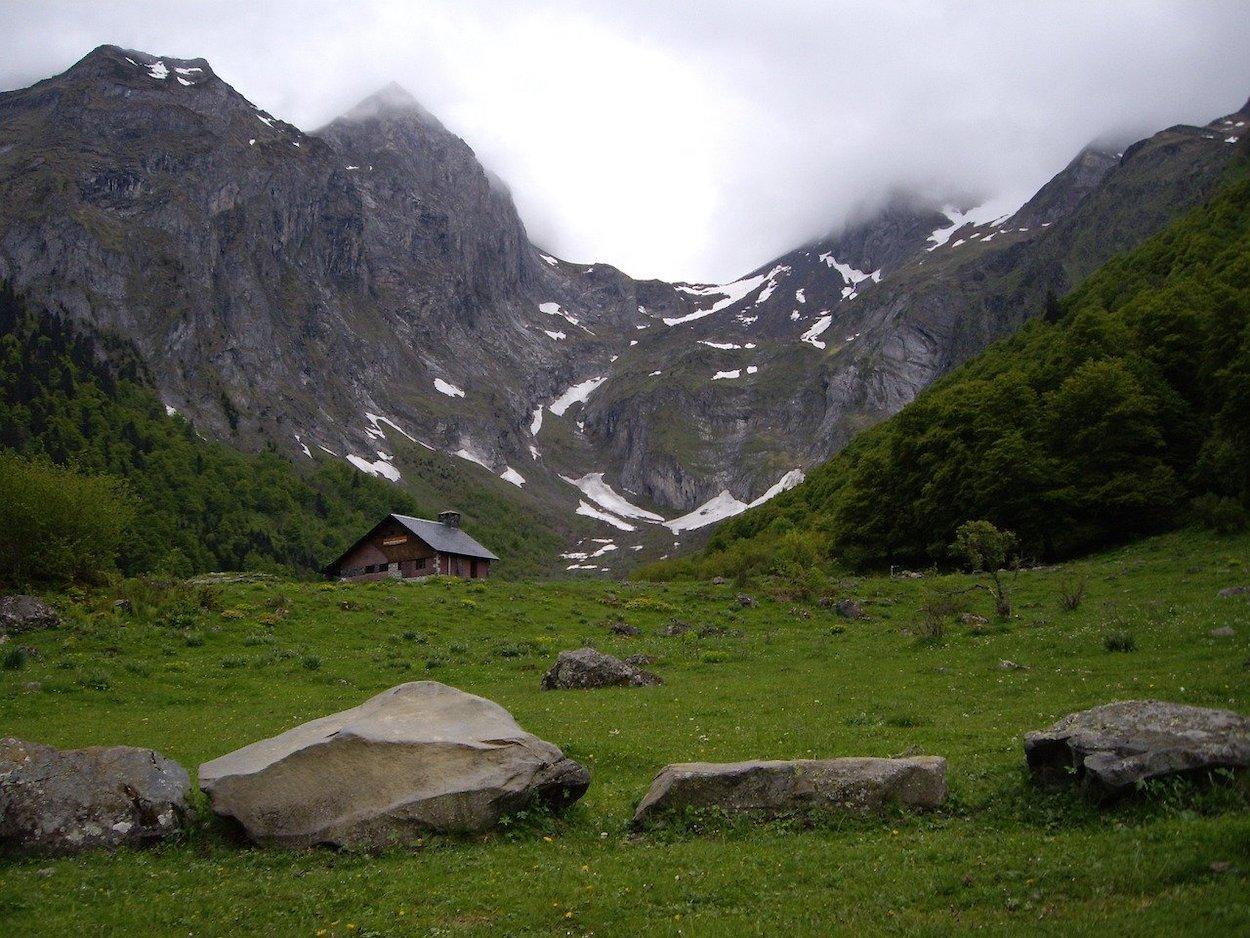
(393, 102)
(130, 65)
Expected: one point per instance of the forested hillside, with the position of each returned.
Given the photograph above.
(82, 400)
(1121, 410)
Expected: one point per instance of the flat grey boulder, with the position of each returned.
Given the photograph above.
(418, 758)
(773, 788)
(69, 800)
(587, 668)
(26, 614)
(1111, 748)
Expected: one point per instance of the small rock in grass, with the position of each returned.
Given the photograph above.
(1221, 866)
(26, 614)
(624, 628)
(676, 628)
(719, 581)
(1006, 665)
(971, 618)
(775, 788)
(61, 801)
(849, 609)
(587, 668)
(1224, 631)
(1109, 749)
(639, 661)
(1231, 591)
(745, 601)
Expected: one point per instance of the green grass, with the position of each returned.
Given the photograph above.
(197, 675)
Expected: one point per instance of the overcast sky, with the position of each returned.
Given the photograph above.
(697, 140)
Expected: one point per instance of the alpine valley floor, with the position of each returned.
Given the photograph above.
(196, 673)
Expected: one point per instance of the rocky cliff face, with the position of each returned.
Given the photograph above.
(368, 292)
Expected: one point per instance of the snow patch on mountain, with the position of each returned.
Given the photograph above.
(446, 387)
(850, 276)
(817, 329)
(603, 495)
(555, 309)
(994, 213)
(511, 475)
(714, 509)
(591, 512)
(380, 467)
(375, 431)
(536, 422)
(725, 505)
(466, 453)
(577, 394)
(730, 294)
(784, 484)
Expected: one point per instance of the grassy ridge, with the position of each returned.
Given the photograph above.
(196, 674)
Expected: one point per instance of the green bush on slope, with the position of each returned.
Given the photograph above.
(57, 526)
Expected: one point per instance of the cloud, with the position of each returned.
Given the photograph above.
(696, 140)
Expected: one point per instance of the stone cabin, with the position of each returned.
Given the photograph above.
(401, 547)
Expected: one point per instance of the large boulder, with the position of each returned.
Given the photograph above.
(770, 789)
(418, 758)
(1112, 747)
(68, 800)
(586, 668)
(26, 614)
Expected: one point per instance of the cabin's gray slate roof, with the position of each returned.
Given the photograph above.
(444, 538)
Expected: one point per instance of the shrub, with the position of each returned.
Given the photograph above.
(15, 659)
(1221, 515)
(96, 681)
(1119, 640)
(57, 525)
(1072, 593)
(936, 606)
(987, 549)
(312, 663)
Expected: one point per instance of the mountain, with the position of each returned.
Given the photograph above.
(836, 336)
(1118, 413)
(368, 293)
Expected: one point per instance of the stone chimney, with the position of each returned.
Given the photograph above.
(449, 518)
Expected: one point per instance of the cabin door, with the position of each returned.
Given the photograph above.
(472, 569)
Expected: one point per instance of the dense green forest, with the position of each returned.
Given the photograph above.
(74, 398)
(1121, 410)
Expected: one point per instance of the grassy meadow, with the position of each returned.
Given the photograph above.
(198, 671)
